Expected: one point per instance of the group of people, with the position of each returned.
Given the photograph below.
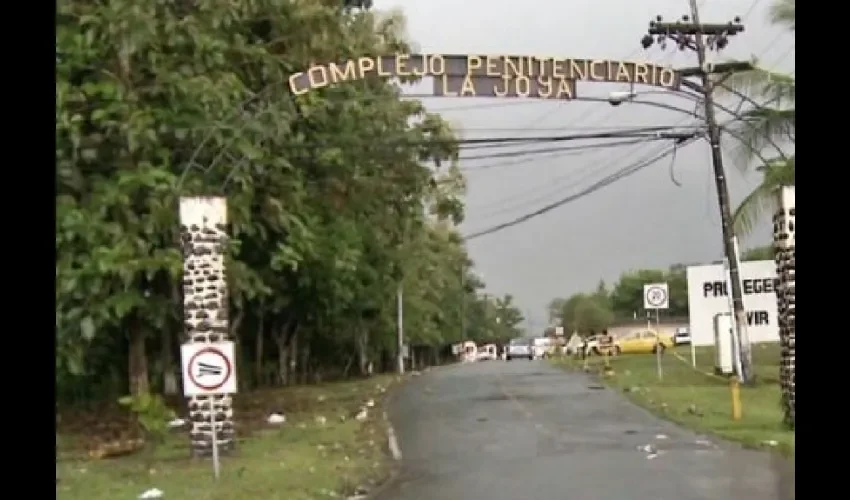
(604, 339)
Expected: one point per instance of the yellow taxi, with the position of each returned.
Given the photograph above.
(642, 342)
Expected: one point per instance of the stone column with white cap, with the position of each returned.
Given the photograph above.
(785, 254)
(203, 236)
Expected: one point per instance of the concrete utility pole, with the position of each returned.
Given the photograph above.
(462, 303)
(690, 33)
(400, 321)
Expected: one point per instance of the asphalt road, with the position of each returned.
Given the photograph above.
(524, 430)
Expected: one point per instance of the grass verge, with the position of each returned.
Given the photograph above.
(695, 398)
(304, 458)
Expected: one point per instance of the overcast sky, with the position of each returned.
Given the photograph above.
(643, 221)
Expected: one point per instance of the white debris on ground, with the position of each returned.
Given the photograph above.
(770, 442)
(151, 493)
(177, 423)
(651, 451)
(361, 415)
(321, 398)
(321, 420)
(276, 418)
(370, 403)
(661, 436)
(704, 442)
(360, 493)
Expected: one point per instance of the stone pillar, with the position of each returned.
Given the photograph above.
(784, 241)
(203, 236)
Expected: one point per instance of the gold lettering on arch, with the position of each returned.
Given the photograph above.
(488, 75)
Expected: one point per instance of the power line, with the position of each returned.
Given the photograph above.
(558, 184)
(625, 172)
(494, 142)
(750, 10)
(561, 129)
(545, 151)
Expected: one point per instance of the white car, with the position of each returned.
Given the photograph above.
(519, 348)
(682, 336)
(487, 353)
(540, 347)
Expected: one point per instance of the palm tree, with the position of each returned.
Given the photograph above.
(768, 126)
(766, 129)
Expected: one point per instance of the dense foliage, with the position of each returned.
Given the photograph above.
(333, 202)
(585, 312)
(766, 129)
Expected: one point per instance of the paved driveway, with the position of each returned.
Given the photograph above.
(524, 430)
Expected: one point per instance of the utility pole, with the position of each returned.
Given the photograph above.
(462, 303)
(690, 33)
(400, 321)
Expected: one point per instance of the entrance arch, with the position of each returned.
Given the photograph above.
(489, 75)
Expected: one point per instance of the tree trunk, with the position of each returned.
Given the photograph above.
(285, 337)
(292, 358)
(258, 352)
(362, 351)
(305, 365)
(139, 382)
(169, 370)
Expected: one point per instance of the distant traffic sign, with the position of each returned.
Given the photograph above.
(656, 296)
(208, 368)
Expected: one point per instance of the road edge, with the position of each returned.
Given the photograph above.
(392, 440)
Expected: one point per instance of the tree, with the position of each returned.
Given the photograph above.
(627, 294)
(769, 126)
(160, 100)
(555, 308)
(766, 129)
(758, 253)
(585, 312)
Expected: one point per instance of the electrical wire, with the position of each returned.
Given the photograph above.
(537, 153)
(559, 183)
(557, 186)
(607, 128)
(500, 142)
(751, 9)
(621, 174)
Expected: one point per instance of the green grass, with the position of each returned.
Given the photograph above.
(299, 460)
(699, 400)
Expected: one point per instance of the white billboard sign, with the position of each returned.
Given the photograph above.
(708, 294)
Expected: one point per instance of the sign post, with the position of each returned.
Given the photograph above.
(657, 296)
(209, 370)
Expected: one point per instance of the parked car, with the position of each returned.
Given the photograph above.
(541, 347)
(519, 348)
(487, 353)
(643, 341)
(682, 336)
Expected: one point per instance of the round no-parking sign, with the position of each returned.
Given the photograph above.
(656, 296)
